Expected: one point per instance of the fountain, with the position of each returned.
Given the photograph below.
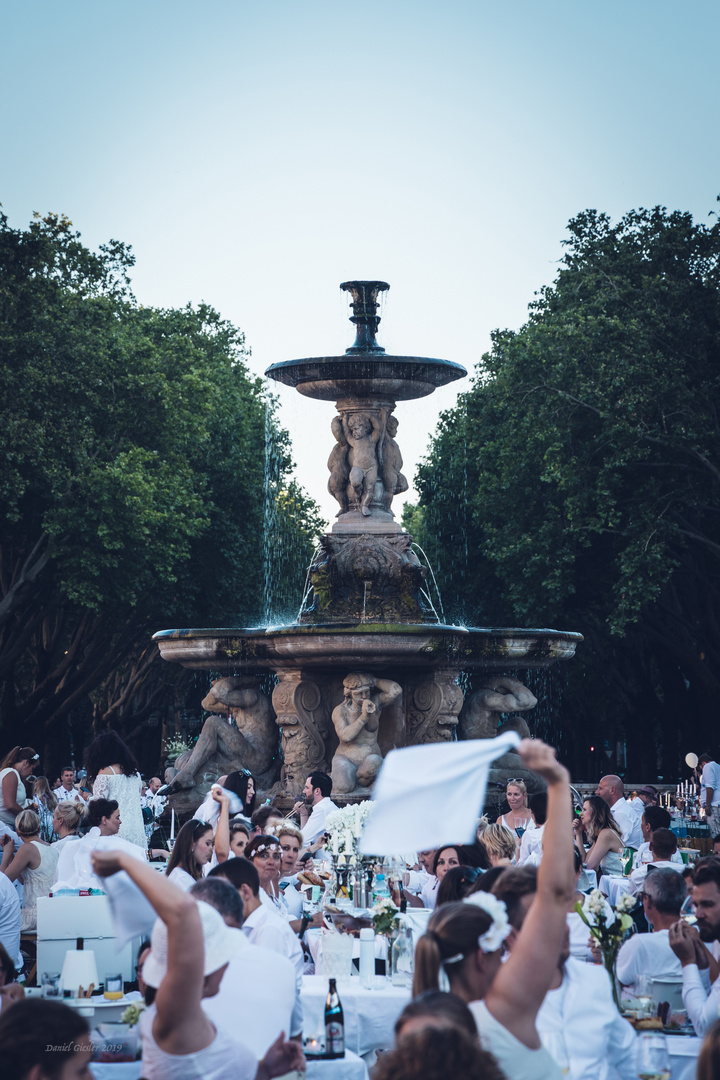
(367, 665)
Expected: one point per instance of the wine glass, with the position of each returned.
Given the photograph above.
(653, 1061)
(643, 994)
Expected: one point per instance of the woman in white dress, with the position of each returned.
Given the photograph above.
(603, 834)
(34, 864)
(191, 948)
(518, 817)
(15, 768)
(66, 821)
(113, 772)
(465, 940)
(265, 853)
(191, 854)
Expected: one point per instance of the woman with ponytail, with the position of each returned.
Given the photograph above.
(465, 941)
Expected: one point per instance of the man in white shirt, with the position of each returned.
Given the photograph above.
(654, 817)
(260, 923)
(663, 844)
(612, 790)
(710, 792)
(316, 795)
(597, 1040)
(687, 944)
(258, 996)
(663, 894)
(67, 785)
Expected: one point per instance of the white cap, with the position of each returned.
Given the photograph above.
(221, 942)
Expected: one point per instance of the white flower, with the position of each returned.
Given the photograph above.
(626, 904)
(493, 938)
(595, 903)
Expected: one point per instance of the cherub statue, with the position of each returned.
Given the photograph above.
(393, 480)
(356, 719)
(338, 465)
(363, 432)
(480, 715)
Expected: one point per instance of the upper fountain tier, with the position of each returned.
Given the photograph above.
(365, 370)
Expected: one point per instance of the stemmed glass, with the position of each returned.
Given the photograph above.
(653, 1061)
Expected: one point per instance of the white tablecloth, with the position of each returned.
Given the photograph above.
(370, 1015)
(614, 886)
(683, 1050)
(351, 1067)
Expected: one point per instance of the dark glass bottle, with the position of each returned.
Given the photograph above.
(334, 1024)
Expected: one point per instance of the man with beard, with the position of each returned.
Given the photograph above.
(598, 1041)
(316, 797)
(687, 944)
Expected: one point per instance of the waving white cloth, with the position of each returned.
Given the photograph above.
(430, 795)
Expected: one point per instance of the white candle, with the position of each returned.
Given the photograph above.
(349, 841)
(336, 844)
(358, 828)
(172, 824)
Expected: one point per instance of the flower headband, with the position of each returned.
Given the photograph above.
(493, 938)
(266, 847)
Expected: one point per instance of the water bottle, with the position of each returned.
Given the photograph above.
(402, 958)
(367, 958)
(380, 888)
(334, 1024)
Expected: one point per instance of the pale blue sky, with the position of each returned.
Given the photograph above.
(255, 155)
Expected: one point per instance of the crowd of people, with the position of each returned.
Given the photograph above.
(506, 982)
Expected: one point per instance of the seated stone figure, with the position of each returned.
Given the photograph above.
(242, 736)
(356, 720)
(481, 715)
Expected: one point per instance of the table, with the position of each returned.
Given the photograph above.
(370, 1015)
(683, 1050)
(351, 1067)
(613, 886)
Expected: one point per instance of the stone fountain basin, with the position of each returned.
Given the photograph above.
(366, 375)
(377, 646)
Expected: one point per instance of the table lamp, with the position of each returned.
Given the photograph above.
(79, 969)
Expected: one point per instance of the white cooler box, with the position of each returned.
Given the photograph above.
(62, 920)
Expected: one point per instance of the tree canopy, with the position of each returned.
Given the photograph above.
(587, 461)
(132, 467)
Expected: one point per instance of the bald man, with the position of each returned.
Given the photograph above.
(612, 791)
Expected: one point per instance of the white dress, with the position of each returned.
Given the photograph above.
(21, 797)
(125, 790)
(36, 883)
(223, 1059)
(514, 1058)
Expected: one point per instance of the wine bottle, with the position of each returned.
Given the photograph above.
(334, 1024)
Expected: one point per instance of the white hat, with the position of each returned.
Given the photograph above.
(221, 942)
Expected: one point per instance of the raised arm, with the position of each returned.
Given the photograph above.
(222, 833)
(519, 988)
(180, 1026)
(389, 690)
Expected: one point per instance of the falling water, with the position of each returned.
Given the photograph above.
(441, 617)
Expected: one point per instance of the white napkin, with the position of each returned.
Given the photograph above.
(132, 914)
(430, 795)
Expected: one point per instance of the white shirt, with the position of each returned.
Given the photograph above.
(315, 826)
(676, 857)
(710, 779)
(428, 893)
(263, 927)
(637, 877)
(702, 1007)
(258, 998)
(292, 897)
(628, 821)
(647, 954)
(531, 844)
(597, 1039)
(74, 866)
(517, 1061)
(10, 915)
(62, 794)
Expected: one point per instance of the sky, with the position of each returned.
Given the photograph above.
(257, 154)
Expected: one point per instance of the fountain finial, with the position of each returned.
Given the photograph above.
(365, 305)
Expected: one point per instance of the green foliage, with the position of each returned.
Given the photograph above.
(588, 454)
(132, 461)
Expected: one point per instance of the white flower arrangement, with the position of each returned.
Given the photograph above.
(345, 826)
(626, 904)
(493, 938)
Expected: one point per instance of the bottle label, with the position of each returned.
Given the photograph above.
(334, 1037)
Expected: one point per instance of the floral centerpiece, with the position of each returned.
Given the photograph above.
(385, 917)
(344, 827)
(610, 927)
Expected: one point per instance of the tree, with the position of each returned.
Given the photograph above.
(132, 462)
(588, 458)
